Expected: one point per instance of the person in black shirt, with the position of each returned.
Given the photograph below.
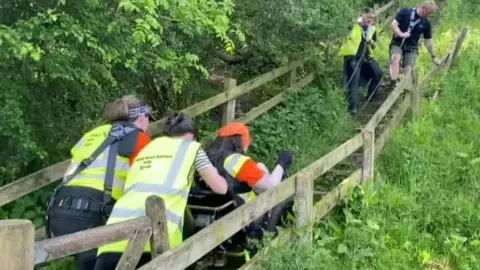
(359, 62)
(408, 25)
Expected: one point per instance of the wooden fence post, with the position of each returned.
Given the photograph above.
(415, 96)
(368, 154)
(131, 256)
(379, 18)
(229, 107)
(17, 240)
(155, 208)
(304, 205)
(293, 76)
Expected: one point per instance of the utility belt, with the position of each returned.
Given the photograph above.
(405, 47)
(82, 204)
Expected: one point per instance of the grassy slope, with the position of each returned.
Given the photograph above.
(422, 212)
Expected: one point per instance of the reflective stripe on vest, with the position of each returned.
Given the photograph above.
(164, 168)
(352, 43)
(94, 175)
(232, 165)
(412, 22)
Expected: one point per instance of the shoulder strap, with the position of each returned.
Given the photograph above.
(412, 22)
(117, 133)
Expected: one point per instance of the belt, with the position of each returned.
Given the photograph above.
(82, 204)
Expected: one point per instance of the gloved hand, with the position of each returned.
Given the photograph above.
(285, 159)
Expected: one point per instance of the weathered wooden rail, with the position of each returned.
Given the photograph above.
(23, 252)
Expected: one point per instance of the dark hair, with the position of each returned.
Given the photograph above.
(179, 124)
(222, 144)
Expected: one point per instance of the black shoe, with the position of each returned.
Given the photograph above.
(353, 112)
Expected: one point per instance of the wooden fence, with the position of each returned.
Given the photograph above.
(23, 252)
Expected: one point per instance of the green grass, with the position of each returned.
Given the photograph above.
(422, 211)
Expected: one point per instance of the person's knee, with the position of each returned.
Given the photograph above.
(395, 59)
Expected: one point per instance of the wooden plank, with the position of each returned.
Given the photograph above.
(155, 209)
(135, 247)
(207, 239)
(336, 156)
(388, 103)
(331, 199)
(463, 35)
(293, 76)
(267, 105)
(384, 7)
(208, 104)
(392, 124)
(304, 206)
(66, 245)
(229, 108)
(368, 155)
(32, 182)
(17, 244)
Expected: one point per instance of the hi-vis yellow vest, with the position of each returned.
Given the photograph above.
(94, 175)
(163, 168)
(232, 165)
(351, 44)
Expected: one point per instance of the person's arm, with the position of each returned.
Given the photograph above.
(251, 174)
(396, 23)
(427, 36)
(209, 173)
(373, 42)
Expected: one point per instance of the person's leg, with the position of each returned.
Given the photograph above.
(64, 222)
(352, 83)
(395, 55)
(409, 60)
(107, 261)
(372, 70)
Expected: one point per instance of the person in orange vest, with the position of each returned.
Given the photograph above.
(95, 179)
(245, 176)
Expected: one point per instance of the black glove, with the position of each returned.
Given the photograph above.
(285, 159)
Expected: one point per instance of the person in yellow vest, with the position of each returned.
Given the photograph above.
(245, 176)
(164, 168)
(96, 176)
(357, 51)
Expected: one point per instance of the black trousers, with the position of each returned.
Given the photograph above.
(108, 261)
(67, 221)
(368, 70)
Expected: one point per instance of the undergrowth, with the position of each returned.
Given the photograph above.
(422, 210)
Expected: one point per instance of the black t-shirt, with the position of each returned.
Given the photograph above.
(422, 27)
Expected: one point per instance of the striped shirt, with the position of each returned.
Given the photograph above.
(201, 161)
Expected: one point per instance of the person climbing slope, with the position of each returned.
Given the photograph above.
(358, 55)
(244, 175)
(163, 168)
(408, 25)
(93, 183)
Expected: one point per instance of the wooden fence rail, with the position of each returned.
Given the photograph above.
(153, 226)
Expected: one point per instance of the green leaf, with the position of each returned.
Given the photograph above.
(342, 248)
